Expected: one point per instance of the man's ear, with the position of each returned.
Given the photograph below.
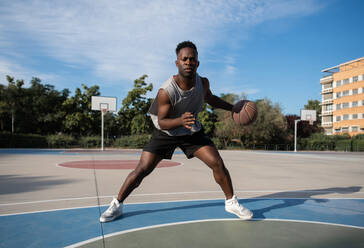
(198, 63)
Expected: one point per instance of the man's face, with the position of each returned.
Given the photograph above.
(187, 62)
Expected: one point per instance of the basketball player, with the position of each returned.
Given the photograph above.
(173, 113)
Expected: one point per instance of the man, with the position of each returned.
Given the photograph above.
(174, 112)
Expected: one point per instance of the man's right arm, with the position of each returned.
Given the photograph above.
(164, 106)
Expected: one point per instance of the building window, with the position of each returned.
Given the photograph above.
(355, 91)
(338, 95)
(354, 104)
(355, 79)
(327, 86)
(338, 118)
(338, 83)
(345, 93)
(345, 105)
(337, 130)
(346, 81)
(338, 106)
(345, 117)
(345, 129)
(355, 116)
(354, 129)
(327, 107)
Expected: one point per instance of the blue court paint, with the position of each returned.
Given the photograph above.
(66, 227)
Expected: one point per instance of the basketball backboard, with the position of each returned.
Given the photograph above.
(102, 102)
(308, 115)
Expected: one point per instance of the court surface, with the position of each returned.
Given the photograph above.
(53, 198)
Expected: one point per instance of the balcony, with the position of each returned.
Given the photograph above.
(326, 113)
(327, 90)
(326, 79)
(326, 124)
(327, 101)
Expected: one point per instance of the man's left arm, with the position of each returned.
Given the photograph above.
(213, 100)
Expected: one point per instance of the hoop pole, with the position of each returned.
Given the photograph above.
(295, 135)
(102, 130)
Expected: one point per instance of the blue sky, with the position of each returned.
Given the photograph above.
(270, 48)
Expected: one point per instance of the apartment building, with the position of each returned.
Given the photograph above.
(343, 98)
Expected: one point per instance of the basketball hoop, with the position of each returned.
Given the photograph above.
(103, 104)
(310, 121)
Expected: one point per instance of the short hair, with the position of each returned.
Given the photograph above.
(185, 44)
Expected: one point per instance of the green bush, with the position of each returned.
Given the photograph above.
(61, 141)
(358, 137)
(132, 141)
(317, 142)
(90, 141)
(9, 140)
(343, 145)
(218, 143)
(358, 145)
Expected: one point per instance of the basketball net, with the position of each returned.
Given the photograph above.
(104, 110)
(310, 121)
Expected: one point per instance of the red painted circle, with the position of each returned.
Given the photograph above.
(112, 164)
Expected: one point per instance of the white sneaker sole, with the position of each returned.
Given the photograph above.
(103, 220)
(243, 217)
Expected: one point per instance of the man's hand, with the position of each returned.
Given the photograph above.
(237, 106)
(188, 119)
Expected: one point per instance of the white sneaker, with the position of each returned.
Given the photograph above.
(232, 206)
(114, 211)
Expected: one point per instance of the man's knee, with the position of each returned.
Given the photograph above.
(218, 165)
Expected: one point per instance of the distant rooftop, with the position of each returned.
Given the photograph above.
(336, 68)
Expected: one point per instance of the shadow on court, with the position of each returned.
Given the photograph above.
(295, 198)
(289, 199)
(12, 184)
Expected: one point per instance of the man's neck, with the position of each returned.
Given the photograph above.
(184, 83)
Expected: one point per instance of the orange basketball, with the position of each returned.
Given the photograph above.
(248, 112)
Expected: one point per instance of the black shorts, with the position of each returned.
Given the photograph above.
(164, 145)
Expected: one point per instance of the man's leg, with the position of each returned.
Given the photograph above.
(211, 157)
(148, 161)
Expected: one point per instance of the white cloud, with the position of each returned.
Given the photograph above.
(19, 72)
(121, 40)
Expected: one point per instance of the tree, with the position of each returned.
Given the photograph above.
(208, 118)
(12, 96)
(270, 126)
(225, 128)
(79, 118)
(43, 109)
(133, 115)
(304, 129)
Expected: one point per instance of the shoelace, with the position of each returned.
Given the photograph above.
(113, 206)
(240, 207)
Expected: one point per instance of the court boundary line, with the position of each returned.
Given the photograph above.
(186, 193)
(172, 201)
(205, 220)
(65, 167)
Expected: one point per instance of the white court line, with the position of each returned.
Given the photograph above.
(199, 221)
(185, 193)
(172, 201)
